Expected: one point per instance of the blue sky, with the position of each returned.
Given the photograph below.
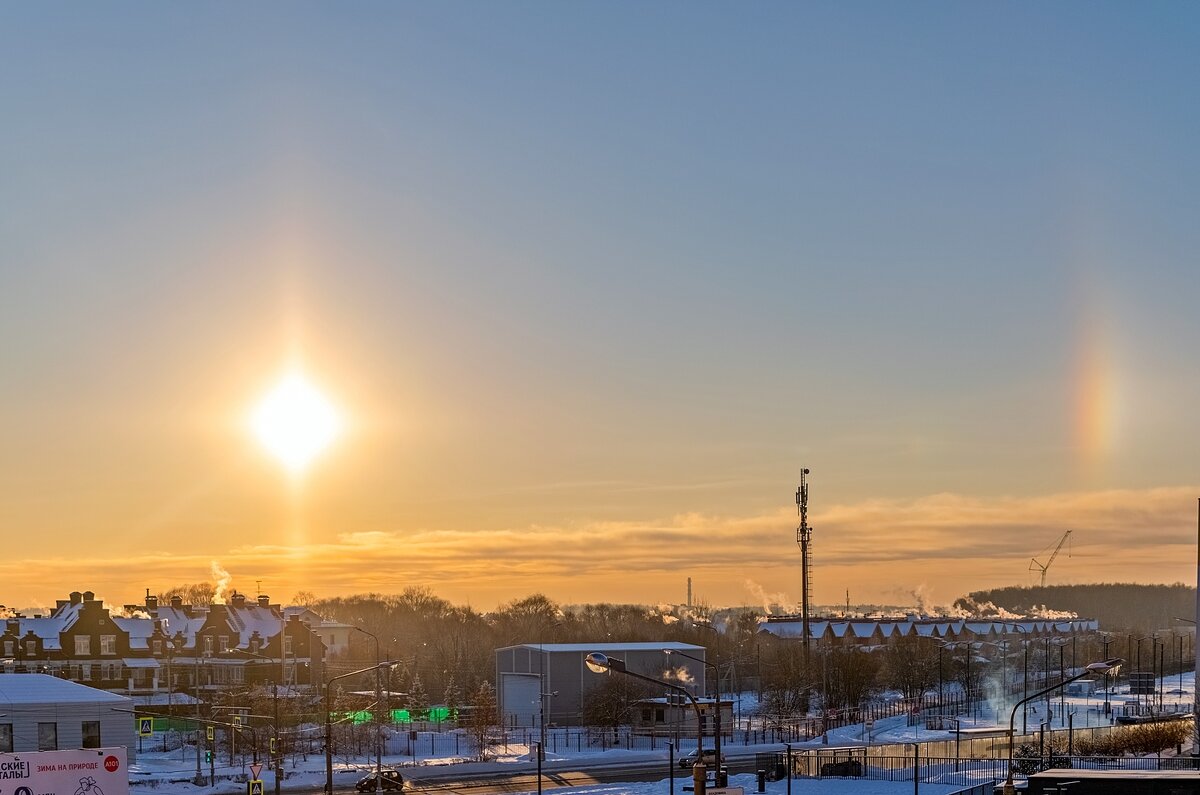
(577, 264)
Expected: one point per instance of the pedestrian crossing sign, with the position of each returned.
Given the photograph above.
(145, 727)
(256, 787)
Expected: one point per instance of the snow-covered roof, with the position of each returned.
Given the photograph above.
(254, 618)
(44, 689)
(791, 627)
(138, 629)
(584, 648)
(47, 629)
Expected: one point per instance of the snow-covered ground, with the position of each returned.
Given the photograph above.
(170, 773)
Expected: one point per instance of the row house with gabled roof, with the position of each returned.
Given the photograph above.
(154, 649)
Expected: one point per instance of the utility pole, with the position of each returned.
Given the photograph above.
(1196, 690)
(803, 539)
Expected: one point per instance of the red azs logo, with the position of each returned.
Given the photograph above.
(111, 763)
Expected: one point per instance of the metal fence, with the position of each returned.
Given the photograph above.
(971, 773)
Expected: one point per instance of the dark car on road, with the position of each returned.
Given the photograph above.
(392, 780)
(710, 758)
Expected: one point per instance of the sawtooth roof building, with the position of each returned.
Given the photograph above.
(868, 631)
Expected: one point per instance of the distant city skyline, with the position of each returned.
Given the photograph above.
(587, 285)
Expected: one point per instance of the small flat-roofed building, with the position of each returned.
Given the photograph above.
(45, 713)
(531, 677)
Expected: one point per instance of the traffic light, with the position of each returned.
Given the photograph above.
(210, 732)
(272, 746)
(208, 757)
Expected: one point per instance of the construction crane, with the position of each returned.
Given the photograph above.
(1035, 565)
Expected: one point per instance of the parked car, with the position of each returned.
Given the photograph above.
(851, 767)
(710, 758)
(392, 780)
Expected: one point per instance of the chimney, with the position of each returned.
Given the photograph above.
(151, 602)
(176, 602)
(264, 600)
(13, 626)
(88, 596)
(238, 599)
(76, 596)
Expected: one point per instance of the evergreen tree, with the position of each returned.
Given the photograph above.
(452, 697)
(418, 699)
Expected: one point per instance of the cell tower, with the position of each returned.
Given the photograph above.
(803, 538)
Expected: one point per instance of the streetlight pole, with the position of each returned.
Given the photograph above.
(1196, 648)
(1094, 668)
(599, 663)
(378, 707)
(717, 718)
(542, 715)
(329, 717)
(1107, 640)
(276, 752)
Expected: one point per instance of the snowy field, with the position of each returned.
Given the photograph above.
(170, 773)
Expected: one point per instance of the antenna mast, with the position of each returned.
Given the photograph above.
(803, 538)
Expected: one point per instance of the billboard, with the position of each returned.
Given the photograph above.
(88, 771)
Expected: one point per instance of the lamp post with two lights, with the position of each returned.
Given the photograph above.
(599, 663)
(385, 665)
(717, 716)
(1094, 668)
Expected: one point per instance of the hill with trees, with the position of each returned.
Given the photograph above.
(1117, 606)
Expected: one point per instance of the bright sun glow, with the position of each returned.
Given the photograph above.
(295, 422)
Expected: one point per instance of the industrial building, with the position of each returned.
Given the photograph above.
(547, 682)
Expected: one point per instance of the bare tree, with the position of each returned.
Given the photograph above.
(484, 723)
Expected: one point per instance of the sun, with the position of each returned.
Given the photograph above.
(295, 422)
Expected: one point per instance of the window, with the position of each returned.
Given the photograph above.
(6, 738)
(85, 672)
(91, 734)
(8, 647)
(224, 640)
(287, 645)
(158, 647)
(31, 648)
(47, 736)
(83, 645)
(108, 644)
(208, 645)
(645, 716)
(659, 716)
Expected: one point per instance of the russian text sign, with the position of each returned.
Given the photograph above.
(88, 771)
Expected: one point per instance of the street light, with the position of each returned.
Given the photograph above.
(1094, 668)
(1107, 687)
(386, 664)
(378, 706)
(599, 663)
(277, 755)
(717, 718)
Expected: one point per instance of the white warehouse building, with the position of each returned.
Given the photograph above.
(45, 713)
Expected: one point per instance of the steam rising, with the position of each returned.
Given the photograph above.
(680, 675)
(222, 578)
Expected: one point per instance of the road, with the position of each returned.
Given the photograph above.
(578, 772)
